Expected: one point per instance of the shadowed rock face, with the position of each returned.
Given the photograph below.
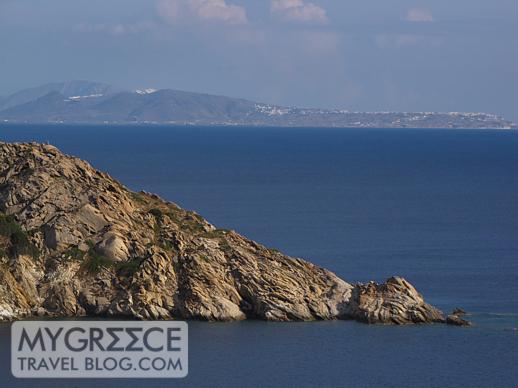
(76, 242)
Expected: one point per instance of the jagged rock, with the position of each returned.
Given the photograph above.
(395, 301)
(458, 311)
(93, 247)
(455, 320)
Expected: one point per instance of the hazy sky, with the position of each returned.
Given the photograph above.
(448, 55)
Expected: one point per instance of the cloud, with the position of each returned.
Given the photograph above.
(117, 29)
(202, 10)
(401, 41)
(298, 11)
(419, 15)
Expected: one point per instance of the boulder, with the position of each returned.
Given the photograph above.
(113, 247)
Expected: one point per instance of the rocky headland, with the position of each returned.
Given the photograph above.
(75, 242)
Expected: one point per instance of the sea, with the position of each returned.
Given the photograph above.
(438, 207)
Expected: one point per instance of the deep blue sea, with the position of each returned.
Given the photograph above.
(439, 207)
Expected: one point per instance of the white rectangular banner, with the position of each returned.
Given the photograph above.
(99, 349)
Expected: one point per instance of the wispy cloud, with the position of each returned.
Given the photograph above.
(390, 41)
(298, 11)
(117, 28)
(202, 10)
(419, 15)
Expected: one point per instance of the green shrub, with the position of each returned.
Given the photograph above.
(27, 170)
(139, 198)
(157, 229)
(129, 267)
(8, 225)
(157, 213)
(225, 246)
(18, 238)
(75, 253)
(94, 262)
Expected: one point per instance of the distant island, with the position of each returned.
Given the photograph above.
(97, 103)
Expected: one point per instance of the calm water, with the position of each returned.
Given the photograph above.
(439, 207)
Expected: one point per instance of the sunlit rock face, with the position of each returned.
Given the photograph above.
(75, 242)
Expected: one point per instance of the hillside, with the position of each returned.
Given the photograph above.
(75, 242)
(86, 102)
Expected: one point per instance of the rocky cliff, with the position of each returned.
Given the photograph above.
(75, 242)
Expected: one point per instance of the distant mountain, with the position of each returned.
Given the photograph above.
(67, 89)
(90, 102)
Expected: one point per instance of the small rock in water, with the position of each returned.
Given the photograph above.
(458, 312)
(455, 320)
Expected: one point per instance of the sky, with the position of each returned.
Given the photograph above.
(362, 55)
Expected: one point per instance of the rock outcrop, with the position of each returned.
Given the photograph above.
(455, 318)
(396, 301)
(75, 242)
